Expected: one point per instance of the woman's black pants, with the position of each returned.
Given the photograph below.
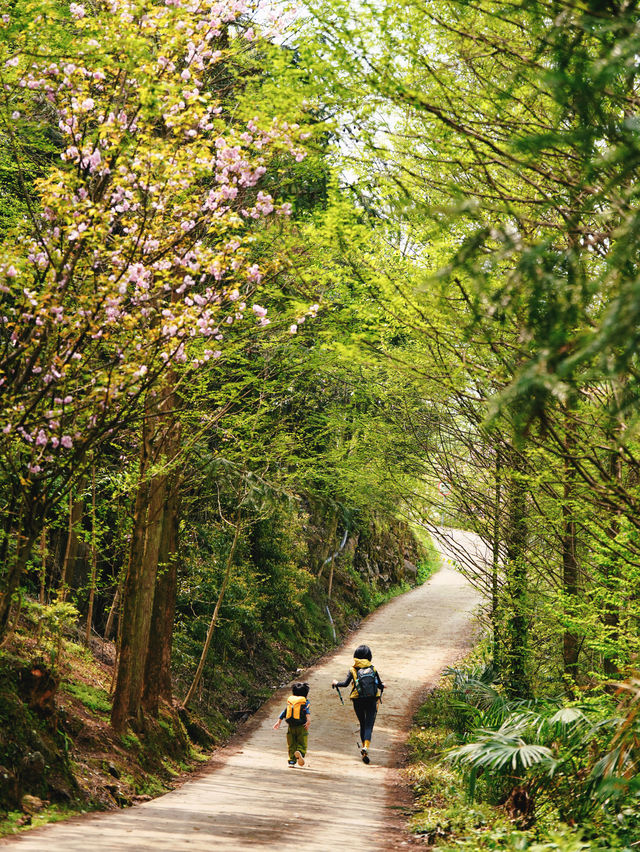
(366, 709)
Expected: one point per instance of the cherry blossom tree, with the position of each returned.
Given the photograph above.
(135, 255)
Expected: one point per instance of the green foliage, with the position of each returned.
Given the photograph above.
(14, 821)
(273, 617)
(24, 731)
(442, 808)
(574, 758)
(508, 839)
(94, 698)
(495, 230)
(559, 753)
(428, 566)
(53, 622)
(130, 741)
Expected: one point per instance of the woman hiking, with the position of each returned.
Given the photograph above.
(365, 694)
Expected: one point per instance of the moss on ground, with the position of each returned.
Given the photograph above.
(64, 753)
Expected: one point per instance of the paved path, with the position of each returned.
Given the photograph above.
(249, 799)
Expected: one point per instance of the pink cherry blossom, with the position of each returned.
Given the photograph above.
(140, 256)
(254, 274)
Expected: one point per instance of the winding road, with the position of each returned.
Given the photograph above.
(248, 798)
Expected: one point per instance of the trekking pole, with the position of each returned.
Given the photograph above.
(339, 694)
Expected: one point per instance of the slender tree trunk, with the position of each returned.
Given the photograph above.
(8, 521)
(112, 611)
(611, 615)
(18, 563)
(329, 590)
(214, 617)
(495, 566)
(569, 558)
(76, 510)
(94, 556)
(517, 652)
(43, 568)
(67, 552)
(16, 617)
(330, 537)
(25, 539)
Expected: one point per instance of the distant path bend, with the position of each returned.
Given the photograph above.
(250, 799)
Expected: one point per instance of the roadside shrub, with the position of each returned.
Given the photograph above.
(580, 759)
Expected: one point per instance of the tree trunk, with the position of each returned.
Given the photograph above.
(214, 617)
(495, 567)
(160, 445)
(25, 539)
(157, 676)
(112, 611)
(330, 588)
(43, 568)
(8, 521)
(131, 624)
(611, 615)
(76, 510)
(17, 566)
(94, 556)
(517, 652)
(569, 559)
(139, 583)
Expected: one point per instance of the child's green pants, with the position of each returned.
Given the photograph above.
(297, 737)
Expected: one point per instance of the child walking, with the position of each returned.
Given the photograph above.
(367, 691)
(296, 714)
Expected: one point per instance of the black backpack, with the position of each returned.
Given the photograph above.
(366, 681)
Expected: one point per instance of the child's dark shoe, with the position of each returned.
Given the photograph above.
(292, 762)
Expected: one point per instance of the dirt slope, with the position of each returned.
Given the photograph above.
(250, 799)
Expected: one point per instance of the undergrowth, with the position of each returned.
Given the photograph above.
(491, 773)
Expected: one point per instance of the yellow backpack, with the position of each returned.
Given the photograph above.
(296, 713)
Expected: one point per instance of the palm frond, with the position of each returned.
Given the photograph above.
(498, 751)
